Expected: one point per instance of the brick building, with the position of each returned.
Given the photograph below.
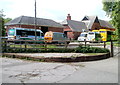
(28, 22)
(73, 28)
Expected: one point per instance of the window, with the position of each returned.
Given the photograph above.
(91, 33)
(83, 35)
(11, 32)
(102, 31)
(25, 32)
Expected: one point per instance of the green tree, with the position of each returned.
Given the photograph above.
(2, 29)
(112, 9)
(2, 22)
(7, 20)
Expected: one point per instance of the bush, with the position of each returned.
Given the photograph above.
(58, 50)
(88, 49)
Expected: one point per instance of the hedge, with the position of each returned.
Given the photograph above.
(80, 49)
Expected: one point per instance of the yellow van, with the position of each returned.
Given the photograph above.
(54, 37)
(105, 34)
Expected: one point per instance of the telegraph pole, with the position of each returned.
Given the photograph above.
(35, 22)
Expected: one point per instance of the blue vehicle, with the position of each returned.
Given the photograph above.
(24, 34)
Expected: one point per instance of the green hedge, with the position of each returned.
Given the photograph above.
(88, 49)
(80, 49)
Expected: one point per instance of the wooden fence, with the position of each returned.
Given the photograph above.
(41, 44)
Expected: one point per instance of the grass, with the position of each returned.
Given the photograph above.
(116, 43)
(93, 53)
(33, 46)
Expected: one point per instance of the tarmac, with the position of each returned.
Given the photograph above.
(24, 71)
(21, 71)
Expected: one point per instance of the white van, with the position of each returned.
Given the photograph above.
(83, 36)
(89, 36)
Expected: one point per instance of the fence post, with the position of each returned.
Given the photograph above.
(45, 46)
(5, 45)
(85, 42)
(104, 44)
(111, 47)
(65, 44)
(20, 46)
(25, 45)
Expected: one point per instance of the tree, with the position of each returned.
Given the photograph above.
(112, 9)
(2, 22)
(2, 29)
(7, 20)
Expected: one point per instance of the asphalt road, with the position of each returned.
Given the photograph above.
(21, 71)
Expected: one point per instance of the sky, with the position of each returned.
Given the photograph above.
(56, 10)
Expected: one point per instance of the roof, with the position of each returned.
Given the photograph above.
(89, 20)
(75, 26)
(105, 24)
(26, 20)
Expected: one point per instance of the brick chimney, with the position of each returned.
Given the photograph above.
(68, 17)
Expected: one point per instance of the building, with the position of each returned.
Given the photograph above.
(28, 22)
(93, 23)
(73, 28)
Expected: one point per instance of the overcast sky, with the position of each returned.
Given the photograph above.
(56, 10)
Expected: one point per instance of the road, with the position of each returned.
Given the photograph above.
(22, 71)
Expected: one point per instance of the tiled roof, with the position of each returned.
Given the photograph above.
(75, 26)
(25, 20)
(105, 24)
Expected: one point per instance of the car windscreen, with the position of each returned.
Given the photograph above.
(83, 35)
(91, 33)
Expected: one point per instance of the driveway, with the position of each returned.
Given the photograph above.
(22, 71)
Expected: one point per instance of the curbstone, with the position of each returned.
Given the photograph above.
(60, 59)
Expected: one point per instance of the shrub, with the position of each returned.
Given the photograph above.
(88, 49)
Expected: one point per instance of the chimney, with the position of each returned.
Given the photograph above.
(68, 17)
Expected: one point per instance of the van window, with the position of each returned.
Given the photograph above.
(11, 32)
(102, 31)
(91, 33)
(83, 35)
(64, 35)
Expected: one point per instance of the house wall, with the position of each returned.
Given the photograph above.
(73, 35)
(67, 28)
(55, 29)
(76, 35)
(70, 34)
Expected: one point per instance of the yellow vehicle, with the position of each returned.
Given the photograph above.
(54, 37)
(105, 34)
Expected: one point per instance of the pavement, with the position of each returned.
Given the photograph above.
(23, 71)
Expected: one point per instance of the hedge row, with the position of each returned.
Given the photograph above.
(80, 49)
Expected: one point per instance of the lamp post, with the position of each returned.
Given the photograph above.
(35, 22)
